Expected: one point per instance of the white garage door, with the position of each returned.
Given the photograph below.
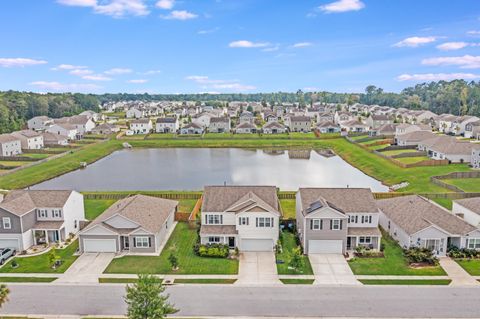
(10, 243)
(99, 245)
(325, 246)
(257, 245)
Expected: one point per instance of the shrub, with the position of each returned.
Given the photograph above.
(463, 253)
(212, 250)
(420, 255)
(363, 251)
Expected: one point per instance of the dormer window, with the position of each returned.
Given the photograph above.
(57, 213)
(42, 213)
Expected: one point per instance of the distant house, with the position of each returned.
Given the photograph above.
(475, 160)
(51, 139)
(134, 112)
(402, 129)
(469, 210)
(299, 124)
(246, 117)
(96, 117)
(328, 127)
(472, 130)
(354, 126)
(82, 123)
(191, 129)
(325, 117)
(343, 117)
(384, 130)
(36, 217)
(447, 147)
(416, 222)
(136, 224)
(274, 128)
(30, 140)
(141, 126)
(413, 138)
(270, 117)
(64, 129)
(166, 125)
(246, 128)
(106, 129)
(39, 123)
(375, 121)
(202, 119)
(9, 145)
(219, 125)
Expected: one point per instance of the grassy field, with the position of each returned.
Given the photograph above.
(411, 160)
(41, 264)
(186, 205)
(183, 238)
(393, 264)
(26, 279)
(434, 282)
(288, 208)
(38, 156)
(297, 281)
(472, 266)
(288, 244)
(465, 184)
(94, 207)
(398, 152)
(205, 281)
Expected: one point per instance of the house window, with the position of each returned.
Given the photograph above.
(142, 242)
(214, 239)
(336, 224)
(42, 213)
(213, 219)
(365, 240)
(316, 224)
(57, 213)
(474, 243)
(7, 224)
(243, 221)
(264, 222)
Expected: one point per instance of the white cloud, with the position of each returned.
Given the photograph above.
(180, 15)
(116, 71)
(464, 62)
(165, 4)
(208, 31)
(65, 87)
(437, 76)
(137, 81)
(302, 45)
(19, 62)
(96, 77)
(248, 44)
(68, 67)
(80, 72)
(232, 85)
(473, 32)
(342, 6)
(114, 8)
(449, 46)
(151, 72)
(415, 41)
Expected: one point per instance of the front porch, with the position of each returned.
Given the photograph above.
(218, 234)
(46, 233)
(369, 237)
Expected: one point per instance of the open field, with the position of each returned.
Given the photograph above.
(182, 240)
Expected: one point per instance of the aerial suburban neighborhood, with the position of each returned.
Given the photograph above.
(239, 159)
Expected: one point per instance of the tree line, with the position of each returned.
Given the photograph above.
(457, 97)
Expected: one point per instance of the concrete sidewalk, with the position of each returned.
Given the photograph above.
(457, 274)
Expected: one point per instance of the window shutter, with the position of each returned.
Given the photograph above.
(248, 220)
(341, 224)
(221, 219)
(331, 224)
(149, 241)
(311, 224)
(321, 223)
(272, 222)
(256, 220)
(206, 219)
(370, 219)
(134, 241)
(239, 220)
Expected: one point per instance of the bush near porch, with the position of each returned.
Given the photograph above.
(394, 263)
(183, 239)
(41, 263)
(289, 243)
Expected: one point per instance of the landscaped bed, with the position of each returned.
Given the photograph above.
(41, 263)
(435, 282)
(288, 245)
(183, 239)
(394, 263)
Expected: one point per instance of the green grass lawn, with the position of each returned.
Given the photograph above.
(117, 280)
(435, 282)
(288, 244)
(393, 264)
(38, 156)
(41, 264)
(27, 279)
(445, 202)
(288, 208)
(205, 281)
(186, 205)
(94, 207)
(472, 266)
(398, 152)
(297, 281)
(14, 163)
(465, 184)
(411, 160)
(378, 147)
(183, 238)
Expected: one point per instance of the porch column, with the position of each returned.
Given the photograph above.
(379, 239)
(46, 236)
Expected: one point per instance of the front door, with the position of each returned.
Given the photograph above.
(349, 243)
(231, 242)
(126, 243)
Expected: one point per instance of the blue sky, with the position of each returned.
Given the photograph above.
(191, 46)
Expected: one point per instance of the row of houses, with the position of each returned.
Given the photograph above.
(328, 220)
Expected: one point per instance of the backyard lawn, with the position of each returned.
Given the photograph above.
(94, 207)
(398, 152)
(41, 264)
(288, 244)
(411, 160)
(471, 266)
(183, 238)
(466, 184)
(288, 208)
(186, 205)
(392, 264)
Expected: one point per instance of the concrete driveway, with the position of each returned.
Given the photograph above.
(257, 268)
(87, 268)
(331, 269)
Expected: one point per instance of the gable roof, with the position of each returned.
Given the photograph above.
(20, 202)
(147, 211)
(7, 138)
(472, 204)
(414, 213)
(346, 200)
(223, 198)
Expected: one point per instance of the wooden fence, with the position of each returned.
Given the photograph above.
(438, 180)
(451, 196)
(410, 154)
(18, 159)
(429, 162)
(166, 195)
(398, 147)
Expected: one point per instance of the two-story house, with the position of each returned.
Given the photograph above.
(141, 126)
(375, 121)
(334, 220)
(9, 145)
(246, 217)
(30, 140)
(39, 123)
(34, 217)
(219, 125)
(299, 124)
(167, 125)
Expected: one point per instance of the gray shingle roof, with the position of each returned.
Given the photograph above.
(220, 198)
(20, 202)
(414, 213)
(472, 204)
(218, 230)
